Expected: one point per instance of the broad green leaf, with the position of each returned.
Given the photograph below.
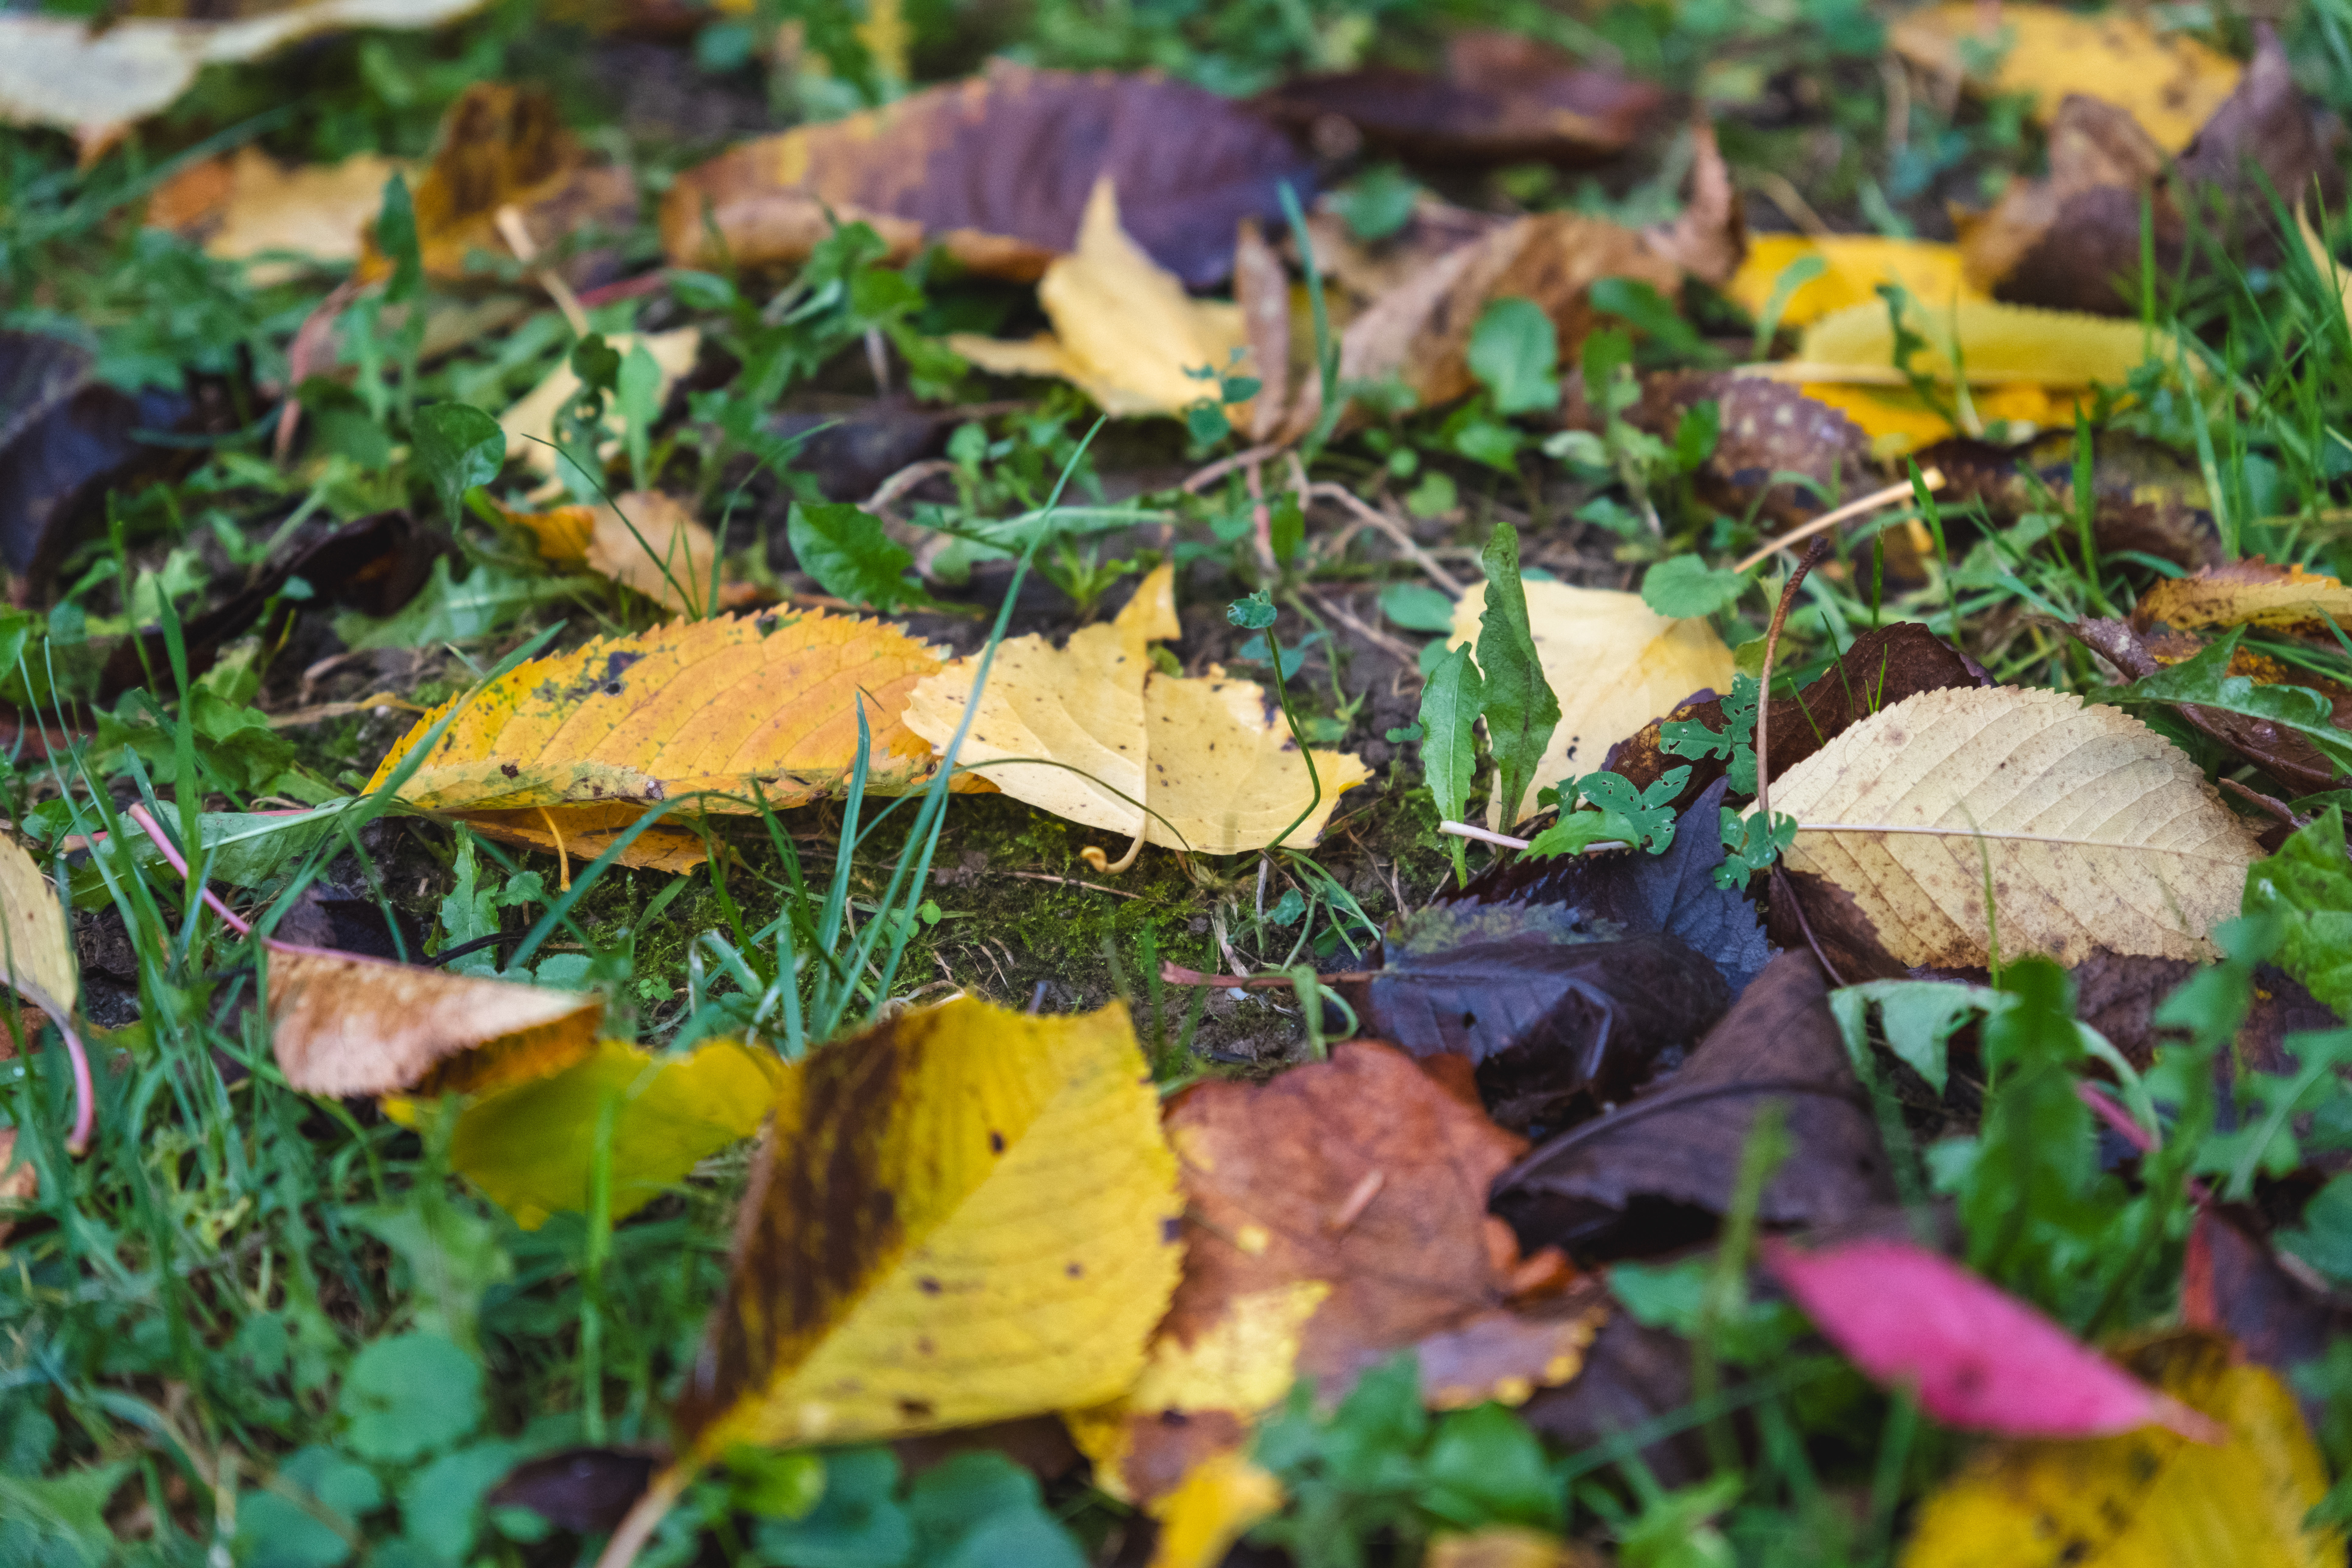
(396, 237)
(1918, 1017)
(445, 611)
(2205, 679)
(1377, 202)
(407, 1396)
(638, 389)
(1514, 352)
(1486, 1468)
(458, 446)
(1519, 708)
(843, 548)
(1417, 608)
(858, 1523)
(2324, 1239)
(1451, 702)
(2308, 884)
(441, 1505)
(1684, 585)
(273, 1531)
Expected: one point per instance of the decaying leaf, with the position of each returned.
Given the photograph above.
(1334, 1215)
(20, 1181)
(2093, 831)
(246, 205)
(576, 746)
(997, 169)
(2250, 592)
(1853, 268)
(961, 1216)
(95, 81)
(1502, 97)
(1124, 330)
(2145, 496)
(529, 424)
(506, 146)
(67, 442)
(1658, 1171)
(1092, 732)
(2170, 83)
(1766, 432)
(2276, 745)
(530, 1146)
(2149, 1498)
(36, 955)
(343, 1024)
(2054, 241)
(647, 539)
(1613, 662)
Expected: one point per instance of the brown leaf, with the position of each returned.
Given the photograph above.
(2246, 593)
(1262, 291)
(2145, 496)
(1335, 1216)
(1501, 99)
(1709, 238)
(1364, 271)
(1886, 665)
(997, 169)
(2288, 757)
(344, 1024)
(584, 1491)
(1657, 1172)
(1767, 428)
(1633, 1375)
(2232, 1282)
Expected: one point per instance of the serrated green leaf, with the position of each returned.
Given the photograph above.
(844, 547)
(408, 1395)
(2205, 680)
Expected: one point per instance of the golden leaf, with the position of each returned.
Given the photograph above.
(1854, 266)
(248, 205)
(579, 744)
(961, 1216)
(1507, 1546)
(2095, 831)
(2246, 593)
(2170, 83)
(343, 1024)
(1102, 735)
(2149, 1498)
(1128, 335)
(1614, 663)
(529, 424)
(1202, 1519)
(646, 541)
(36, 955)
(530, 1146)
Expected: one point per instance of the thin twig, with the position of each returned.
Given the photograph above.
(1397, 532)
(1203, 478)
(1393, 646)
(1813, 556)
(508, 220)
(1933, 478)
(1067, 882)
(888, 492)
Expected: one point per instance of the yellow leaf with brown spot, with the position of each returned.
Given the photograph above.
(342, 1024)
(1613, 663)
(2247, 593)
(646, 541)
(1854, 266)
(1090, 731)
(531, 1146)
(2093, 831)
(36, 955)
(2149, 1498)
(1125, 331)
(1508, 1546)
(592, 737)
(962, 1215)
(2170, 83)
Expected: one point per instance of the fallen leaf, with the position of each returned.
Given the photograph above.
(530, 1146)
(1853, 267)
(1334, 1215)
(505, 146)
(2149, 1498)
(2250, 592)
(1766, 431)
(1613, 662)
(2145, 495)
(2232, 1283)
(1209, 1508)
(1128, 335)
(586, 1491)
(248, 206)
(2170, 82)
(529, 424)
(1207, 767)
(2308, 885)
(342, 1024)
(2293, 742)
(1708, 239)
(2092, 830)
(97, 81)
(1502, 97)
(1883, 666)
(1364, 271)
(579, 744)
(960, 1215)
(1632, 1376)
(20, 1181)
(997, 169)
(39, 953)
(1656, 1171)
(646, 541)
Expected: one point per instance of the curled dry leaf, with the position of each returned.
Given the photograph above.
(529, 424)
(647, 540)
(1092, 732)
(2245, 593)
(1124, 330)
(1613, 662)
(2093, 832)
(2170, 82)
(1854, 266)
(1502, 97)
(961, 1216)
(2149, 1498)
(2277, 749)
(1334, 1215)
(576, 746)
(2050, 241)
(506, 146)
(247, 205)
(1974, 1356)
(96, 81)
(999, 170)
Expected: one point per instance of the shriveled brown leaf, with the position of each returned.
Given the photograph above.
(344, 1024)
(1708, 239)
(646, 540)
(1262, 293)
(2145, 496)
(997, 169)
(1363, 270)
(1334, 1215)
(1502, 97)
(1767, 428)
(502, 146)
(1648, 1177)
(2282, 752)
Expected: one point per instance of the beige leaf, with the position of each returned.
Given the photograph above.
(20, 1180)
(344, 1024)
(1125, 331)
(529, 424)
(1101, 736)
(37, 953)
(2095, 831)
(646, 540)
(1614, 663)
(250, 205)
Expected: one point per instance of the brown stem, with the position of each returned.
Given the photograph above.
(1764, 684)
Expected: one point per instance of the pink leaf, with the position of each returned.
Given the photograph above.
(1973, 1355)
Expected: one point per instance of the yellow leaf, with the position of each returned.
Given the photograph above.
(646, 541)
(1213, 757)
(1507, 1546)
(2170, 82)
(1856, 264)
(1614, 663)
(2246, 593)
(1201, 1520)
(2149, 1498)
(1127, 332)
(591, 737)
(961, 1216)
(2095, 831)
(529, 424)
(343, 1024)
(35, 954)
(530, 1146)
(1898, 420)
